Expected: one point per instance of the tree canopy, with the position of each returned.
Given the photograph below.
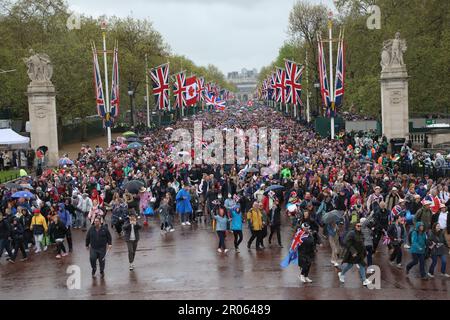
(41, 25)
(425, 25)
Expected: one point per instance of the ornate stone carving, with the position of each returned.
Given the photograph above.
(40, 68)
(392, 52)
(40, 111)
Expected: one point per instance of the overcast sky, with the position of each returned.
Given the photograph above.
(231, 34)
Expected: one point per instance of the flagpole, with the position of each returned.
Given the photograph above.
(330, 38)
(146, 91)
(308, 119)
(108, 110)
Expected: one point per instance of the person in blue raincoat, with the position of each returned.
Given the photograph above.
(184, 207)
(66, 218)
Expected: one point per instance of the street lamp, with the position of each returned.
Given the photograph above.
(317, 86)
(131, 94)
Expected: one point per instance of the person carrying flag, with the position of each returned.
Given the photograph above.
(306, 252)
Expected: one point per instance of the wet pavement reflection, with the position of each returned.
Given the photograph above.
(186, 265)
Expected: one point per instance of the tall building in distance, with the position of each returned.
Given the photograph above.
(245, 81)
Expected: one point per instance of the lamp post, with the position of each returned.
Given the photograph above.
(317, 86)
(131, 94)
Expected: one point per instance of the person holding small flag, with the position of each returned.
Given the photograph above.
(306, 252)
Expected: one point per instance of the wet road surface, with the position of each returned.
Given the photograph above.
(185, 265)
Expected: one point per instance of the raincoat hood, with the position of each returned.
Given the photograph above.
(418, 224)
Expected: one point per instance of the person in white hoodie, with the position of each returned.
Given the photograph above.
(84, 205)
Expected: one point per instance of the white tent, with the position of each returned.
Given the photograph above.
(10, 137)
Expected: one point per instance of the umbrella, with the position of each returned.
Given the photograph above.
(134, 145)
(26, 186)
(147, 138)
(65, 162)
(335, 215)
(133, 139)
(133, 186)
(23, 194)
(168, 129)
(12, 185)
(22, 173)
(252, 170)
(129, 134)
(275, 187)
(121, 139)
(44, 149)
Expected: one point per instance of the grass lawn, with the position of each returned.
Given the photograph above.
(7, 175)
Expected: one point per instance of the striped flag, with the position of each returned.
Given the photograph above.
(99, 95)
(324, 85)
(115, 90)
(340, 76)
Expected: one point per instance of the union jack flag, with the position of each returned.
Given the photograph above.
(324, 85)
(293, 82)
(179, 90)
(212, 100)
(160, 79)
(281, 85)
(201, 89)
(397, 210)
(271, 83)
(297, 241)
(340, 76)
(208, 89)
(99, 96)
(216, 90)
(264, 90)
(115, 90)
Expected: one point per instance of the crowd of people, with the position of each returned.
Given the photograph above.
(349, 194)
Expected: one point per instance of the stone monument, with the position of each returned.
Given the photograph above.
(42, 105)
(394, 89)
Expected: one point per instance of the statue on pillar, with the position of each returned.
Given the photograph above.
(40, 68)
(392, 53)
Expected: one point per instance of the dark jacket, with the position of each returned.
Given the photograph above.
(275, 216)
(58, 230)
(5, 229)
(119, 214)
(339, 203)
(25, 220)
(392, 233)
(381, 219)
(354, 244)
(127, 229)
(17, 231)
(437, 243)
(98, 239)
(307, 250)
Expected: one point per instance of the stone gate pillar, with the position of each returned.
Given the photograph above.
(394, 89)
(42, 106)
